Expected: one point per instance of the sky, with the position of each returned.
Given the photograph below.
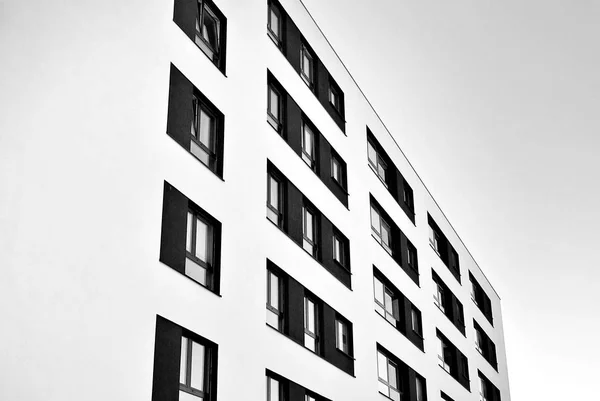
(497, 106)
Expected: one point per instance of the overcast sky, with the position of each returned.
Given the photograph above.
(497, 106)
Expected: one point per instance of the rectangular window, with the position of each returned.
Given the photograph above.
(341, 336)
(274, 390)
(310, 398)
(407, 195)
(339, 250)
(483, 390)
(335, 97)
(388, 377)
(274, 108)
(376, 162)
(411, 255)
(381, 229)
(420, 389)
(386, 303)
(308, 145)
(337, 171)
(438, 297)
(434, 239)
(307, 67)
(208, 31)
(199, 249)
(310, 325)
(478, 340)
(274, 200)
(274, 301)
(308, 231)
(203, 131)
(415, 318)
(444, 354)
(274, 25)
(195, 368)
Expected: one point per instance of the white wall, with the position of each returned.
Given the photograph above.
(84, 158)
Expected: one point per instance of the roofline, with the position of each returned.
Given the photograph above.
(399, 148)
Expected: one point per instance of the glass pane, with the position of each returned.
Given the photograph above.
(308, 247)
(198, 364)
(382, 366)
(273, 103)
(308, 141)
(310, 316)
(273, 389)
(372, 154)
(310, 398)
(306, 64)
(274, 23)
(200, 153)
(337, 254)
(308, 225)
(195, 271)
(375, 220)
(381, 171)
(340, 339)
(210, 28)
(188, 239)
(392, 376)
(274, 288)
(201, 240)
(309, 342)
(419, 390)
(273, 193)
(194, 121)
(274, 217)
(394, 395)
(206, 129)
(183, 360)
(272, 319)
(383, 388)
(385, 234)
(415, 320)
(389, 303)
(378, 290)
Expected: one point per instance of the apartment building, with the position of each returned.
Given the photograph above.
(239, 223)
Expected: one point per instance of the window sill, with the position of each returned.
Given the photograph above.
(312, 352)
(312, 257)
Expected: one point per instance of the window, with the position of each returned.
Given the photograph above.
(381, 229)
(339, 250)
(388, 377)
(478, 340)
(274, 108)
(407, 196)
(274, 301)
(411, 256)
(483, 390)
(376, 162)
(335, 97)
(434, 239)
(308, 231)
(308, 146)
(307, 67)
(208, 30)
(444, 354)
(274, 200)
(337, 171)
(415, 318)
(438, 297)
(341, 336)
(203, 131)
(274, 24)
(419, 389)
(310, 398)
(310, 325)
(274, 390)
(195, 368)
(386, 303)
(199, 248)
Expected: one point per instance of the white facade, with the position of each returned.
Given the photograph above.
(84, 159)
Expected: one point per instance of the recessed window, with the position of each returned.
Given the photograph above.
(199, 249)
(308, 231)
(376, 162)
(309, 397)
(339, 250)
(483, 390)
(203, 131)
(389, 380)
(274, 390)
(434, 239)
(419, 389)
(341, 336)
(415, 319)
(308, 146)
(274, 301)
(438, 297)
(335, 97)
(307, 66)
(381, 229)
(194, 373)
(208, 31)
(411, 256)
(386, 303)
(274, 108)
(274, 25)
(337, 171)
(444, 354)
(274, 200)
(478, 340)
(310, 325)
(407, 196)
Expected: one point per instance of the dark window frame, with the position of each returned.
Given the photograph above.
(311, 80)
(280, 195)
(216, 14)
(317, 313)
(208, 366)
(277, 37)
(314, 242)
(208, 265)
(281, 292)
(275, 121)
(201, 103)
(345, 325)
